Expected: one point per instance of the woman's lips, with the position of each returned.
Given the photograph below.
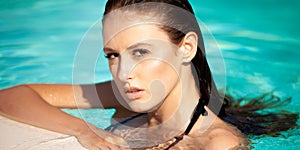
(133, 93)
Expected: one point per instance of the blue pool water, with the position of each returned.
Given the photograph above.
(259, 41)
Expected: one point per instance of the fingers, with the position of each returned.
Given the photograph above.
(98, 139)
(95, 142)
(98, 148)
(102, 146)
(117, 141)
(117, 144)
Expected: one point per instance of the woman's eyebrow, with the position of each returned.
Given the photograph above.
(134, 46)
(107, 49)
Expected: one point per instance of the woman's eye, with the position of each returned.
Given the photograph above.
(140, 52)
(112, 55)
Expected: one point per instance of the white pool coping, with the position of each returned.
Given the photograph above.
(19, 136)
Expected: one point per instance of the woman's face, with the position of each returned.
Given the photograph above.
(145, 66)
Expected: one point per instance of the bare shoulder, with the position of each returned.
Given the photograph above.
(224, 136)
(221, 138)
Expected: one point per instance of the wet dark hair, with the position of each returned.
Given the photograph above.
(245, 117)
(260, 115)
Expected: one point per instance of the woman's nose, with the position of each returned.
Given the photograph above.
(125, 69)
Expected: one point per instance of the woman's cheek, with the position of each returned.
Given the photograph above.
(113, 70)
(159, 70)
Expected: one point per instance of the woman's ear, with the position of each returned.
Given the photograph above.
(188, 46)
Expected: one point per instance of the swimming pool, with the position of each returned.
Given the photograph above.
(259, 41)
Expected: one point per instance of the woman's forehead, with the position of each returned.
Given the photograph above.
(118, 24)
(144, 13)
(134, 35)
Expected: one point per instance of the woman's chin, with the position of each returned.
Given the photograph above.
(142, 106)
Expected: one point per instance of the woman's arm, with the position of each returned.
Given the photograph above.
(22, 103)
(99, 95)
(77, 96)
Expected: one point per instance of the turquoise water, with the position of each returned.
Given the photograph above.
(259, 41)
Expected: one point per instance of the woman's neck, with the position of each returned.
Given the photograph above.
(179, 105)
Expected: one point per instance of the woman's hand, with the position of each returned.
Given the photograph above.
(94, 138)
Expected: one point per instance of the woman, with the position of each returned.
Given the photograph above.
(153, 72)
(156, 56)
